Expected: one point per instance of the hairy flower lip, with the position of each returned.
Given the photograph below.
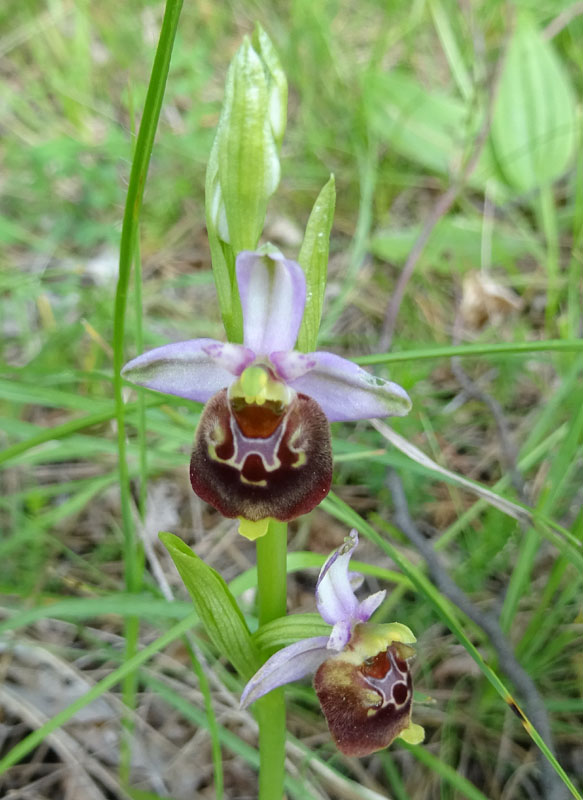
(281, 476)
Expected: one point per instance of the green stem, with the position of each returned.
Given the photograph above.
(139, 334)
(272, 594)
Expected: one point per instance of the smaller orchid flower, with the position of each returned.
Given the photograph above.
(362, 679)
(262, 448)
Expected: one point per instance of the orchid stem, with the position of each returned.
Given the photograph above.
(272, 594)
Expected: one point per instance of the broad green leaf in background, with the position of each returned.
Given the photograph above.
(429, 127)
(534, 125)
(313, 259)
(216, 607)
(456, 242)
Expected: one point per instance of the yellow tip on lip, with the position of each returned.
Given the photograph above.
(414, 734)
(253, 530)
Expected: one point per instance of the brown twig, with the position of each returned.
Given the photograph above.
(552, 785)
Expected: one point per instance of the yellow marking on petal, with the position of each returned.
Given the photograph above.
(262, 483)
(217, 434)
(301, 456)
(372, 699)
(414, 734)
(300, 460)
(253, 530)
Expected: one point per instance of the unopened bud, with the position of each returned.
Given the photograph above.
(243, 170)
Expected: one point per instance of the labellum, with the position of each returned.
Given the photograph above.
(366, 705)
(262, 450)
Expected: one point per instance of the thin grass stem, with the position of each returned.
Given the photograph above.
(133, 558)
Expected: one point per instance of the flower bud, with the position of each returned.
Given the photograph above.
(243, 170)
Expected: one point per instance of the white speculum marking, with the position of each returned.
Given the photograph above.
(385, 685)
(244, 446)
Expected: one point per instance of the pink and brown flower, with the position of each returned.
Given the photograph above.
(362, 673)
(262, 447)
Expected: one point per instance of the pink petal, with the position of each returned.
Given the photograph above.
(196, 369)
(344, 390)
(287, 665)
(335, 598)
(273, 295)
(369, 605)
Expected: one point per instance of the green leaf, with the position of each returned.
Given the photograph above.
(533, 127)
(430, 128)
(313, 259)
(287, 630)
(455, 243)
(216, 607)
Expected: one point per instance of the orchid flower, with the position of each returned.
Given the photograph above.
(262, 447)
(362, 679)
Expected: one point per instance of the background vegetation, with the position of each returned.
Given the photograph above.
(410, 106)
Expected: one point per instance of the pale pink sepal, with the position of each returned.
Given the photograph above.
(344, 390)
(287, 665)
(273, 295)
(196, 369)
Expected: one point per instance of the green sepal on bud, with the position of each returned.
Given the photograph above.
(243, 170)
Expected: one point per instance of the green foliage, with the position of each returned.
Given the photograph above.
(533, 126)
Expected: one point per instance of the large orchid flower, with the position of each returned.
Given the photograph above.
(262, 447)
(362, 679)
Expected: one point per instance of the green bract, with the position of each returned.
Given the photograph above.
(216, 607)
(313, 259)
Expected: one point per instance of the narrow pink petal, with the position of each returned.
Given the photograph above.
(273, 295)
(196, 369)
(287, 665)
(344, 390)
(369, 605)
(335, 598)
